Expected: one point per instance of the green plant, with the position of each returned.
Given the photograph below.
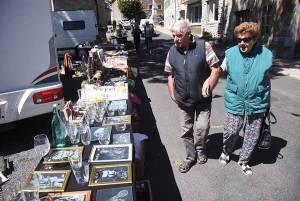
(130, 8)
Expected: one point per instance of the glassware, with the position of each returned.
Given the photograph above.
(81, 173)
(120, 127)
(17, 193)
(42, 147)
(110, 110)
(58, 129)
(86, 135)
(76, 161)
(122, 109)
(104, 137)
(73, 133)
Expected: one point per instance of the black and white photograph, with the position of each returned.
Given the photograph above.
(62, 155)
(111, 175)
(98, 131)
(115, 194)
(49, 181)
(111, 153)
(71, 196)
(121, 138)
(126, 119)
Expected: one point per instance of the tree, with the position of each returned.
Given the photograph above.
(130, 8)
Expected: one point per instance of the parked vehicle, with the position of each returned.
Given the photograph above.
(125, 23)
(29, 78)
(143, 23)
(72, 27)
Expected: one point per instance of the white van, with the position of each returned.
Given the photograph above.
(72, 27)
(29, 74)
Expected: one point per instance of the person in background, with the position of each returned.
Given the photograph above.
(247, 92)
(136, 32)
(190, 64)
(148, 30)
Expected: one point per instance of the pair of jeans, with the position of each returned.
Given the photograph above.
(195, 125)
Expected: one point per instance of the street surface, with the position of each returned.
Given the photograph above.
(275, 171)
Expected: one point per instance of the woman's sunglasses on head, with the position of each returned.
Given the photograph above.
(246, 40)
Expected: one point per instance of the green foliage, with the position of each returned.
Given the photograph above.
(130, 8)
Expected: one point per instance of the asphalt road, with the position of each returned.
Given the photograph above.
(276, 175)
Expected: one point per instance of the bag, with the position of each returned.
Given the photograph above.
(265, 132)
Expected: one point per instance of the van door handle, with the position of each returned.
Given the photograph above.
(55, 35)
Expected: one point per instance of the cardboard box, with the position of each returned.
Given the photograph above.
(140, 162)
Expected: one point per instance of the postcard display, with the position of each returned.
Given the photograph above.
(113, 167)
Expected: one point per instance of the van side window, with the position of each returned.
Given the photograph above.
(73, 25)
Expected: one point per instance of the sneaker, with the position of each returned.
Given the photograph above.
(185, 166)
(201, 158)
(246, 169)
(224, 158)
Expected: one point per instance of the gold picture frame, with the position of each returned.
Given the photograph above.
(114, 120)
(108, 175)
(75, 195)
(61, 155)
(49, 181)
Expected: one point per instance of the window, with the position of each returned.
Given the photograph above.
(150, 7)
(73, 25)
(195, 13)
(212, 11)
(241, 16)
(159, 7)
(266, 20)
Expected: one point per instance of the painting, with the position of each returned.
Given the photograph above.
(111, 153)
(109, 121)
(62, 155)
(108, 175)
(120, 193)
(72, 196)
(121, 138)
(49, 181)
(97, 131)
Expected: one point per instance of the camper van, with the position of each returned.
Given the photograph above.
(72, 27)
(29, 75)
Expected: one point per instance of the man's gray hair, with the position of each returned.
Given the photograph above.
(181, 26)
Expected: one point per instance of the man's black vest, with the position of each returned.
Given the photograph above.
(190, 72)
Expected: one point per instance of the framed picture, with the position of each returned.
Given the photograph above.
(49, 181)
(107, 175)
(61, 155)
(120, 193)
(109, 121)
(111, 153)
(96, 131)
(121, 138)
(75, 196)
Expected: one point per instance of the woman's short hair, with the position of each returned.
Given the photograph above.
(250, 27)
(181, 26)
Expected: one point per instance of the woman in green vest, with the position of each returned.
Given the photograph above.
(247, 92)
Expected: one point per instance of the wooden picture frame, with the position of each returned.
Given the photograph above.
(95, 131)
(114, 120)
(75, 195)
(122, 193)
(121, 138)
(49, 181)
(103, 154)
(61, 155)
(108, 175)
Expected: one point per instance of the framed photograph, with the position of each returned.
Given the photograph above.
(96, 131)
(74, 196)
(120, 193)
(61, 155)
(102, 154)
(121, 138)
(49, 181)
(110, 121)
(107, 175)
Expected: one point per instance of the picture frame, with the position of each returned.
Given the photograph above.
(95, 131)
(114, 120)
(61, 155)
(75, 195)
(108, 175)
(121, 138)
(49, 181)
(103, 154)
(124, 193)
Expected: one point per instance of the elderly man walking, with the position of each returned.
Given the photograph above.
(190, 63)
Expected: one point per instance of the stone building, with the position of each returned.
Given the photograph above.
(278, 21)
(103, 10)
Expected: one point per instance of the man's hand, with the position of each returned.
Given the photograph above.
(206, 89)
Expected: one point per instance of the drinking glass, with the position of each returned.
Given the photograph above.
(42, 147)
(17, 193)
(104, 136)
(76, 161)
(81, 173)
(73, 134)
(86, 135)
(122, 109)
(120, 127)
(110, 109)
